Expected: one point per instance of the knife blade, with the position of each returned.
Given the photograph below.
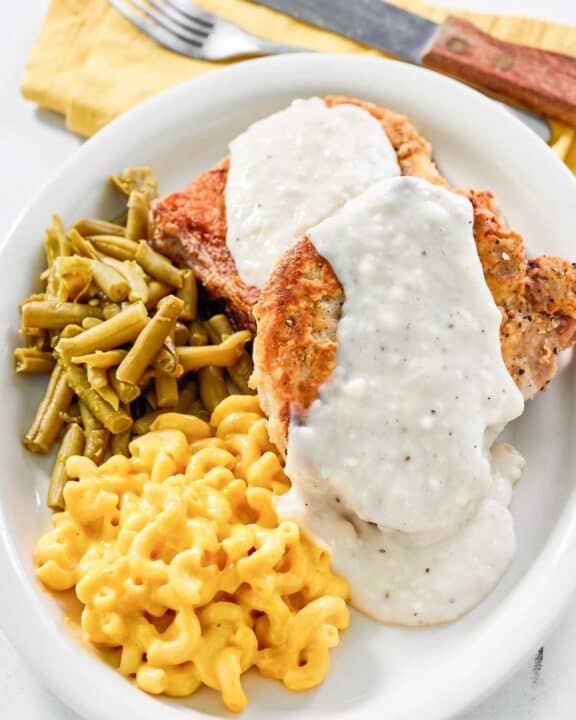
(370, 22)
(534, 79)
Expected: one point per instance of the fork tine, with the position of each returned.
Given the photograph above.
(190, 48)
(180, 19)
(190, 35)
(193, 12)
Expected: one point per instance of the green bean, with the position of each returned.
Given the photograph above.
(142, 425)
(137, 220)
(219, 328)
(81, 246)
(222, 355)
(186, 396)
(198, 334)
(53, 315)
(151, 398)
(150, 340)
(48, 420)
(142, 179)
(117, 330)
(97, 437)
(72, 276)
(61, 237)
(71, 331)
(72, 444)
(158, 266)
(166, 361)
(197, 410)
(134, 276)
(181, 334)
(119, 444)
(111, 282)
(189, 294)
(32, 361)
(99, 359)
(117, 247)
(127, 392)
(213, 387)
(90, 226)
(97, 377)
(166, 389)
(157, 291)
(120, 219)
(110, 309)
(115, 421)
(88, 323)
(38, 340)
(109, 395)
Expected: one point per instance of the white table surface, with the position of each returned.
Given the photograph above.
(32, 145)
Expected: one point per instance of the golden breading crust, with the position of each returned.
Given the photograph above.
(299, 308)
(190, 226)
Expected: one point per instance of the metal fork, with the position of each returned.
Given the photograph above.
(187, 29)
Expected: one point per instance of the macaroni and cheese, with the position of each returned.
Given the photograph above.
(180, 561)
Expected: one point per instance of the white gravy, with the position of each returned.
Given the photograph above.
(391, 469)
(291, 170)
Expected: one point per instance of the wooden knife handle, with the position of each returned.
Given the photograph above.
(540, 80)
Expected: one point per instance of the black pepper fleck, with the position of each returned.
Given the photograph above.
(407, 458)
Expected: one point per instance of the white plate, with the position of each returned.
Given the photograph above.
(378, 671)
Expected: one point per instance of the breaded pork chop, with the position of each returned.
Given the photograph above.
(190, 226)
(299, 308)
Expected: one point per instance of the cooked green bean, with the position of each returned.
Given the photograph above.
(199, 411)
(213, 387)
(142, 425)
(219, 328)
(32, 361)
(90, 322)
(90, 226)
(117, 330)
(137, 220)
(110, 309)
(71, 331)
(72, 444)
(115, 421)
(72, 277)
(157, 291)
(110, 395)
(97, 377)
(54, 315)
(48, 420)
(166, 389)
(97, 437)
(62, 239)
(142, 179)
(151, 398)
(81, 246)
(110, 281)
(117, 247)
(158, 266)
(127, 392)
(134, 276)
(99, 359)
(222, 355)
(186, 396)
(181, 334)
(120, 442)
(198, 334)
(150, 340)
(189, 294)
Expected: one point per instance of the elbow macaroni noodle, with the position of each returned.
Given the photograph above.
(181, 562)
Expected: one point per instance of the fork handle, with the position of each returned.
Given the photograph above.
(262, 46)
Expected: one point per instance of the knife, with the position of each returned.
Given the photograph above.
(539, 80)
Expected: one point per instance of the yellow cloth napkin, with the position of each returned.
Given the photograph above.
(90, 64)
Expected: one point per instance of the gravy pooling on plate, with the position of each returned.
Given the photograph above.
(291, 170)
(391, 469)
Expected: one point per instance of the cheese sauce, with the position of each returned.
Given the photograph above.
(391, 469)
(291, 170)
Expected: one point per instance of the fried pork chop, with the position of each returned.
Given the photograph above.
(190, 226)
(299, 307)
